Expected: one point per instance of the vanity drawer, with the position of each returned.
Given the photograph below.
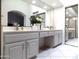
(19, 37)
(44, 34)
(51, 33)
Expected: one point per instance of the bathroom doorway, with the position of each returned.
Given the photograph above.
(71, 25)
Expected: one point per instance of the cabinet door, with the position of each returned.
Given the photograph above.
(44, 34)
(60, 37)
(56, 39)
(32, 48)
(15, 51)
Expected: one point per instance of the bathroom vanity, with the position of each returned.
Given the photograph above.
(25, 44)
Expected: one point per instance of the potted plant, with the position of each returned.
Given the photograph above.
(36, 19)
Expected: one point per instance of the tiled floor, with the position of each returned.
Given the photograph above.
(73, 42)
(60, 52)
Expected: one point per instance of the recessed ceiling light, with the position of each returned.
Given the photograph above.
(33, 1)
(67, 12)
(67, 19)
(45, 7)
(54, 4)
(75, 18)
(70, 15)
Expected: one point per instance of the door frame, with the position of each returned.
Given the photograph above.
(65, 18)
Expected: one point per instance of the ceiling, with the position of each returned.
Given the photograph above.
(53, 3)
(67, 3)
(46, 4)
(72, 11)
(76, 9)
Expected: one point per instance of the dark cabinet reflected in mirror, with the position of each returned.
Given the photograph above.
(71, 25)
(15, 18)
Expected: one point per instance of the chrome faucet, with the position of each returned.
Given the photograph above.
(17, 28)
(22, 28)
(50, 27)
(16, 25)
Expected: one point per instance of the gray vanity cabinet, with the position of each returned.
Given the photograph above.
(51, 33)
(32, 48)
(44, 34)
(15, 50)
(25, 45)
(21, 45)
(60, 37)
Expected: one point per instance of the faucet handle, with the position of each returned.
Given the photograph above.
(21, 27)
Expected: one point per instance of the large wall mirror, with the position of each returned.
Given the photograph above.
(15, 18)
(71, 25)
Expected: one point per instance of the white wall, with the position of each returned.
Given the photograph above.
(59, 18)
(78, 30)
(69, 2)
(35, 8)
(56, 18)
(8, 5)
(50, 18)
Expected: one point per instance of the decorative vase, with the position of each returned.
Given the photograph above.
(38, 26)
(34, 27)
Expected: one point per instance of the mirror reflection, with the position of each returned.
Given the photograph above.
(17, 16)
(71, 25)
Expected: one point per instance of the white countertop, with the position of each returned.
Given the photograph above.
(19, 31)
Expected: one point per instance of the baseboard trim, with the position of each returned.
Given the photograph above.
(57, 45)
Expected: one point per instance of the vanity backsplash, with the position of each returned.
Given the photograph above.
(22, 29)
(14, 28)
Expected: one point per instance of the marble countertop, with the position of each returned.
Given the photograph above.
(26, 31)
